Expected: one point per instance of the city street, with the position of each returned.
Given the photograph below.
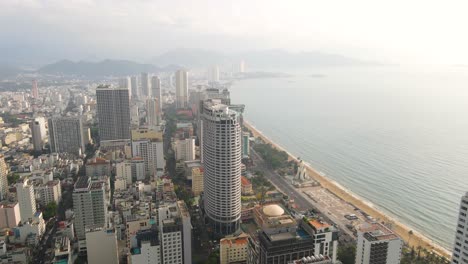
(302, 202)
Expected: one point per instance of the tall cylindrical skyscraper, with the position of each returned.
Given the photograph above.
(222, 164)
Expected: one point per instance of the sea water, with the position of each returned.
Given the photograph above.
(396, 136)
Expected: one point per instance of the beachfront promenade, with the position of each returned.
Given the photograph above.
(302, 200)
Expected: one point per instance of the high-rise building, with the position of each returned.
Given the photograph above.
(185, 149)
(126, 83)
(175, 233)
(134, 84)
(181, 77)
(34, 90)
(460, 250)
(38, 132)
(48, 192)
(123, 170)
(3, 178)
(245, 144)
(148, 250)
(222, 166)
(10, 214)
(138, 168)
(377, 244)
(152, 152)
(145, 85)
(102, 245)
(153, 113)
(156, 89)
(66, 135)
(113, 109)
(213, 74)
(89, 205)
(26, 200)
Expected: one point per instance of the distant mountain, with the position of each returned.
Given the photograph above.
(256, 59)
(8, 71)
(102, 68)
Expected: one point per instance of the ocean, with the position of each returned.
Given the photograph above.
(395, 136)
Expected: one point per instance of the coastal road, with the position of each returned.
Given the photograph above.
(301, 201)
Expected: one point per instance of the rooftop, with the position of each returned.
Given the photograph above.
(377, 232)
(245, 181)
(318, 224)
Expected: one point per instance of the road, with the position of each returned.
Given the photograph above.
(300, 200)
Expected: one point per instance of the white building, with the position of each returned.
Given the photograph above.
(102, 245)
(3, 178)
(175, 233)
(38, 132)
(222, 166)
(123, 170)
(460, 250)
(126, 83)
(156, 90)
(138, 169)
(10, 214)
(185, 149)
(148, 250)
(213, 74)
(89, 204)
(26, 200)
(181, 77)
(153, 115)
(29, 232)
(152, 153)
(375, 241)
(48, 192)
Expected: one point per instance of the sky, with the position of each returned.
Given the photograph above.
(396, 31)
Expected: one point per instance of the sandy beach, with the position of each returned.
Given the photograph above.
(415, 240)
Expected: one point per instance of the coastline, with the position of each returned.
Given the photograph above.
(417, 239)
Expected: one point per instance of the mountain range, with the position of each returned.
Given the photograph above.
(192, 58)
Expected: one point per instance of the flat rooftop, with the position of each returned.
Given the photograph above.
(377, 232)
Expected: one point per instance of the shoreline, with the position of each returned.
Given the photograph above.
(417, 239)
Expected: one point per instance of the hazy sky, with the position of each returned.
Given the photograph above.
(400, 31)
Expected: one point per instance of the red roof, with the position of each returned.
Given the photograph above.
(245, 181)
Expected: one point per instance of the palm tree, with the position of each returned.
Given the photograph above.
(410, 234)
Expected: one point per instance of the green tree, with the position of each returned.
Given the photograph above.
(347, 253)
(50, 210)
(13, 178)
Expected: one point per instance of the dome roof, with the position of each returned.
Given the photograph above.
(273, 210)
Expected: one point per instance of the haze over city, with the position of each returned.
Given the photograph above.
(243, 132)
(401, 32)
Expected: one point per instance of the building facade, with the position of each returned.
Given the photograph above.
(460, 250)
(38, 133)
(222, 166)
(9, 214)
(89, 205)
(102, 245)
(26, 200)
(153, 114)
(3, 178)
(113, 111)
(66, 135)
(181, 77)
(145, 85)
(185, 149)
(377, 244)
(156, 90)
